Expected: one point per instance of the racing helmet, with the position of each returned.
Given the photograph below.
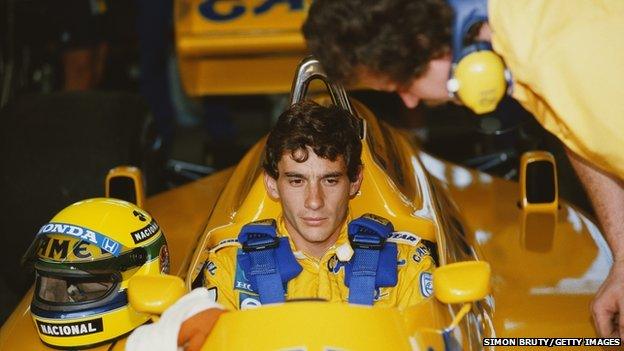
(83, 259)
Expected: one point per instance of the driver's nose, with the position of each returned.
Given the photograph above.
(314, 197)
(410, 100)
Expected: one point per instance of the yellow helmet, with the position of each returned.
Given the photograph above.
(83, 259)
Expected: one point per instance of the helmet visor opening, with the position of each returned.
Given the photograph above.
(74, 289)
(60, 252)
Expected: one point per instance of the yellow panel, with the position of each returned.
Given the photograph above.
(343, 327)
(238, 75)
(230, 47)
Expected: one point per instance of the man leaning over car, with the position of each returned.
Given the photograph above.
(566, 66)
(312, 166)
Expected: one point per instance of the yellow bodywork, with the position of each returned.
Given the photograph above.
(227, 47)
(542, 278)
(327, 327)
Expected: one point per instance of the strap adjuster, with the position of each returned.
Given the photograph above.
(367, 241)
(259, 242)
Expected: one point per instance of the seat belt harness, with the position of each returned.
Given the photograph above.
(267, 260)
(374, 262)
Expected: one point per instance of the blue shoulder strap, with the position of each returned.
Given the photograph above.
(467, 13)
(266, 260)
(374, 262)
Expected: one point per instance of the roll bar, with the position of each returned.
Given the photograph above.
(309, 69)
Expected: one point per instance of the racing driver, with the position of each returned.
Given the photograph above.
(312, 166)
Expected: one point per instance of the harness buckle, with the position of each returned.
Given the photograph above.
(367, 241)
(259, 242)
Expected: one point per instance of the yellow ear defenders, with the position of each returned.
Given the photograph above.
(478, 77)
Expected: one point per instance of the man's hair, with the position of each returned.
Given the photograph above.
(396, 38)
(329, 131)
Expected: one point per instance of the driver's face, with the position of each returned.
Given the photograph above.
(431, 86)
(314, 195)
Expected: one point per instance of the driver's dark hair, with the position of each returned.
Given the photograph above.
(396, 38)
(329, 131)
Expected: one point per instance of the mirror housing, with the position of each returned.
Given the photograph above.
(462, 282)
(125, 183)
(153, 294)
(538, 181)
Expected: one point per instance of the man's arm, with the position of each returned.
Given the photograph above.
(607, 196)
(415, 282)
(195, 330)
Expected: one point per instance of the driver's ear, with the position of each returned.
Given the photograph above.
(270, 184)
(354, 187)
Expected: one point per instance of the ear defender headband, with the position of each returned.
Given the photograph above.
(478, 77)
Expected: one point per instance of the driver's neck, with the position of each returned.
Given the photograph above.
(315, 249)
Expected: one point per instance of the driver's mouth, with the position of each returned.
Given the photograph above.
(314, 221)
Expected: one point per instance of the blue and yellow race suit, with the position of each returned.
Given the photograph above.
(324, 278)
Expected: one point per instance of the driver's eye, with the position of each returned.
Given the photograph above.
(331, 181)
(296, 181)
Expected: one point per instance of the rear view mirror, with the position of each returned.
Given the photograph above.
(125, 183)
(153, 294)
(462, 282)
(538, 181)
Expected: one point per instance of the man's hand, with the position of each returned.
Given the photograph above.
(608, 303)
(195, 330)
(607, 196)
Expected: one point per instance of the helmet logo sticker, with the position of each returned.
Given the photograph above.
(139, 215)
(145, 233)
(105, 243)
(71, 329)
(55, 248)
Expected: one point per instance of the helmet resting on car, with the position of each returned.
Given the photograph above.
(83, 259)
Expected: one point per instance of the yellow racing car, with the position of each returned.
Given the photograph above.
(514, 261)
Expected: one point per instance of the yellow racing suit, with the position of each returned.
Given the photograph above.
(567, 62)
(324, 278)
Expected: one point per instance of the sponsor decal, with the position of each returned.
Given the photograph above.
(248, 302)
(211, 268)
(224, 10)
(334, 265)
(242, 285)
(71, 329)
(224, 243)
(404, 238)
(240, 281)
(139, 215)
(145, 233)
(60, 249)
(421, 251)
(163, 258)
(102, 241)
(426, 284)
